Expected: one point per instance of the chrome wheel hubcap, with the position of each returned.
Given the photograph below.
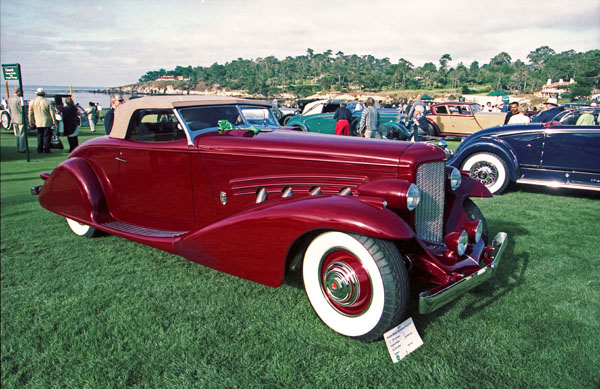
(485, 173)
(341, 284)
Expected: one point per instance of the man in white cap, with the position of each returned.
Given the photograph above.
(42, 118)
(550, 111)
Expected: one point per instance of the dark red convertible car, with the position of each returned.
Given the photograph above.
(219, 182)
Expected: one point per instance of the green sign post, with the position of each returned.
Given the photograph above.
(13, 72)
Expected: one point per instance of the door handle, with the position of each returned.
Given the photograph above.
(121, 160)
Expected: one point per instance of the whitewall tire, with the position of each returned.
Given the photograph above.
(81, 229)
(357, 285)
(489, 169)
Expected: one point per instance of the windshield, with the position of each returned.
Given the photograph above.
(207, 118)
(259, 116)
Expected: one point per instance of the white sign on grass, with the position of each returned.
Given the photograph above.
(402, 340)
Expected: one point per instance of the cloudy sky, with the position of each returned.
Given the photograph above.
(112, 43)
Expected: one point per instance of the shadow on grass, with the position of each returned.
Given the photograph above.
(559, 192)
(509, 275)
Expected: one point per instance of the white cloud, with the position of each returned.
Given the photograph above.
(114, 43)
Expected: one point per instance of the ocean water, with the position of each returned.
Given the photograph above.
(81, 94)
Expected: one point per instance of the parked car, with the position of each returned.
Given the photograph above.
(217, 181)
(317, 116)
(455, 118)
(562, 153)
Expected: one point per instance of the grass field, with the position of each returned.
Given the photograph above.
(106, 312)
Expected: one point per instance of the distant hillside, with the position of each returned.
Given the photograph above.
(328, 73)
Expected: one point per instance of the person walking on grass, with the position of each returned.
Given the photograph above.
(71, 122)
(92, 114)
(343, 117)
(16, 115)
(369, 120)
(42, 118)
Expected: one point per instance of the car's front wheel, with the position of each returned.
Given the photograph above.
(489, 169)
(357, 285)
(81, 229)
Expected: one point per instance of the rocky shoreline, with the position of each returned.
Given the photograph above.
(165, 87)
(174, 88)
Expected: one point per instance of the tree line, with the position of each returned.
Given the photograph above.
(307, 74)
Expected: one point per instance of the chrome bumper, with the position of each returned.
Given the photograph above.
(429, 302)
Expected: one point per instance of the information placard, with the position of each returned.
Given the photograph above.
(402, 340)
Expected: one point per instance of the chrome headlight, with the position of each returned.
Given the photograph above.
(474, 229)
(455, 179)
(463, 240)
(413, 197)
(457, 241)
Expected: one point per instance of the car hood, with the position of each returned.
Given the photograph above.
(303, 147)
(499, 130)
(495, 132)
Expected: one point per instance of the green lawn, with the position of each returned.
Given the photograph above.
(107, 312)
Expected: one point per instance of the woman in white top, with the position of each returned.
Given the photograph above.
(521, 117)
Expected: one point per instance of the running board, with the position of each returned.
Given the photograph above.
(141, 231)
(556, 184)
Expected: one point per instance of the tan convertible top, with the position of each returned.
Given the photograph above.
(124, 111)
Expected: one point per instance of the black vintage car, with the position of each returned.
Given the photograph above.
(564, 152)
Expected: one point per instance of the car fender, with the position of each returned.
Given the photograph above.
(73, 190)
(401, 131)
(297, 122)
(435, 125)
(255, 244)
(490, 145)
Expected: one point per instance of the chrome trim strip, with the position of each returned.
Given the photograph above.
(429, 302)
(183, 124)
(556, 184)
(142, 231)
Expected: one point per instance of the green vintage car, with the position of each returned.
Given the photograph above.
(318, 117)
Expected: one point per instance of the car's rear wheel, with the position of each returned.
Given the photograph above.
(5, 120)
(81, 229)
(431, 129)
(357, 285)
(489, 169)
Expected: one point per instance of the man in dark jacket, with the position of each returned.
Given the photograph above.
(552, 109)
(343, 117)
(70, 117)
(514, 110)
(115, 101)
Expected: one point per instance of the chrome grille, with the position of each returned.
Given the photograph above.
(429, 215)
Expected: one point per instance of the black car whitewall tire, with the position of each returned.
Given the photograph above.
(81, 229)
(489, 169)
(357, 285)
